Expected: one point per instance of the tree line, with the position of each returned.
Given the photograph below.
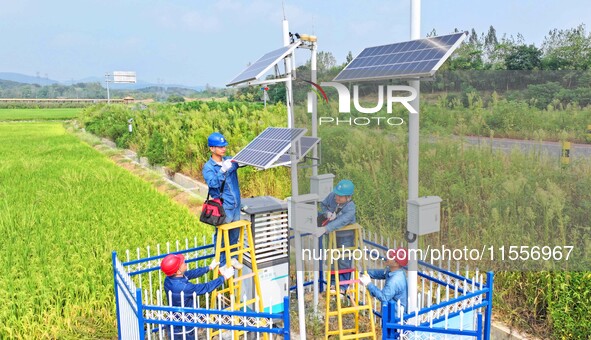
(11, 89)
(557, 70)
(484, 62)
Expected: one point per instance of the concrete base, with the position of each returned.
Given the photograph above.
(501, 332)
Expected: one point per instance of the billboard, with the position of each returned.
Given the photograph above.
(124, 77)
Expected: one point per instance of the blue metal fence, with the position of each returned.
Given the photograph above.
(450, 304)
(142, 313)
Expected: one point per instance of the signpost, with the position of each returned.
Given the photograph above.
(119, 77)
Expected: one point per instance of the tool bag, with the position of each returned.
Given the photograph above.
(212, 212)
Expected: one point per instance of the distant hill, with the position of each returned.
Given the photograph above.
(137, 86)
(7, 84)
(22, 78)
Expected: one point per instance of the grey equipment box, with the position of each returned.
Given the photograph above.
(269, 225)
(303, 213)
(321, 185)
(424, 215)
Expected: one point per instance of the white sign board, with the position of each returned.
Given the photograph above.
(124, 77)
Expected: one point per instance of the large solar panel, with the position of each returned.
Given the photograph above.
(267, 147)
(306, 144)
(264, 64)
(410, 59)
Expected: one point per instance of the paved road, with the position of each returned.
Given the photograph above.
(551, 148)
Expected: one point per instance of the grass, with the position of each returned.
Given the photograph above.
(63, 208)
(489, 198)
(39, 114)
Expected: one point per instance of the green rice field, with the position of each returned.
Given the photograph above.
(64, 207)
(39, 114)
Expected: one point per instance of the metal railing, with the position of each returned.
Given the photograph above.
(142, 312)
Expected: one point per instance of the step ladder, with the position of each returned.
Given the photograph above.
(356, 305)
(229, 297)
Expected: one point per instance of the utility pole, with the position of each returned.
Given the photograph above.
(108, 80)
(413, 160)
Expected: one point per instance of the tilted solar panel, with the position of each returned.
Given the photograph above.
(307, 143)
(263, 151)
(410, 59)
(260, 67)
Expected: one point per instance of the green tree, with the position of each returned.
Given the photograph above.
(469, 56)
(490, 44)
(523, 57)
(568, 49)
(349, 58)
(174, 98)
(325, 61)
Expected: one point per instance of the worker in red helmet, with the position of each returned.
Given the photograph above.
(177, 282)
(395, 289)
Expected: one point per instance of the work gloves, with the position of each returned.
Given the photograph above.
(330, 215)
(227, 272)
(213, 264)
(365, 280)
(227, 165)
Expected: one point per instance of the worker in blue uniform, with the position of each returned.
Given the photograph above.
(177, 282)
(337, 210)
(395, 288)
(220, 174)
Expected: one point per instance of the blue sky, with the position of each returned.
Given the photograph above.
(198, 42)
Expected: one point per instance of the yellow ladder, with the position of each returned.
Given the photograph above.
(233, 286)
(356, 306)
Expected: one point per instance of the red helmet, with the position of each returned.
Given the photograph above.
(400, 255)
(171, 263)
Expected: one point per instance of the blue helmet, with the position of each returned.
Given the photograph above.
(216, 139)
(344, 188)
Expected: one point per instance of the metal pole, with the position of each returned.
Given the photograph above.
(385, 320)
(140, 312)
(295, 192)
(117, 307)
(413, 158)
(489, 305)
(107, 75)
(286, 326)
(288, 88)
(314, 101)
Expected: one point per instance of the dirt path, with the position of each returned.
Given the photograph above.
(162, 185)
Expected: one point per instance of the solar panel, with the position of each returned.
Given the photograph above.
(306, 144)
(263, 151)
(264, 64)
(410, 59)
